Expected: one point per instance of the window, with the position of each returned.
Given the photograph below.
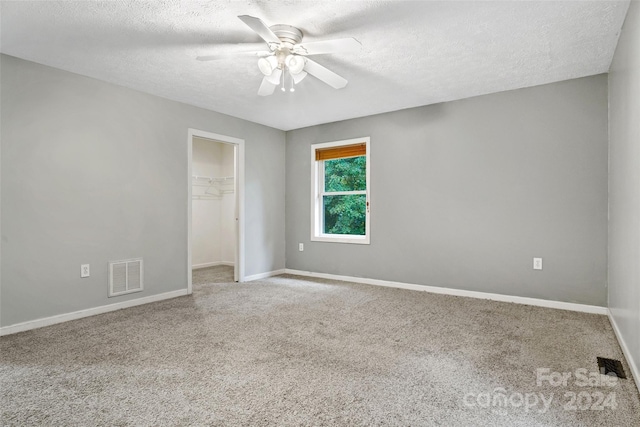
(340, 191)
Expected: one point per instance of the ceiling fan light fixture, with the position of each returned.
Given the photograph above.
(274, 78)
(297, 78)
(294, 63)
(267, 65)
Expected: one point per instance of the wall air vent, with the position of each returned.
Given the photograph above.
(125, 277)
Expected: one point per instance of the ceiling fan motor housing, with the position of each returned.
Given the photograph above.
(289, 37)
(287, 34)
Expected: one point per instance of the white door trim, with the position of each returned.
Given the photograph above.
(239, 143)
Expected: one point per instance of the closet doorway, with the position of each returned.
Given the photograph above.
(215, 214)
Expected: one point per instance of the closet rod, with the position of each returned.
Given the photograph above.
(213, 178)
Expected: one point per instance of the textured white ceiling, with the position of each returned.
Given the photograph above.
(414, 52)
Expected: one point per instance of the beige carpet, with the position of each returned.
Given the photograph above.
(291, 351)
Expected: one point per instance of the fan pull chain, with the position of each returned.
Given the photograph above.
(284, 71)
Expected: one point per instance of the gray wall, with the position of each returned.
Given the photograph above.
(624, 184)
(93, 172)
(464, 194)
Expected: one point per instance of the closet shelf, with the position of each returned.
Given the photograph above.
(211, 187)
(212, 179)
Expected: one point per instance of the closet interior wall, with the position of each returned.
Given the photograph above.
(213, 204)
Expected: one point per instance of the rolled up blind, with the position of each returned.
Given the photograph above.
(341, 152)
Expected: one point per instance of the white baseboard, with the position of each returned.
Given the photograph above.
(211, 264)
(459, 292)
(264, 275)
(60, 318)
(625, 350)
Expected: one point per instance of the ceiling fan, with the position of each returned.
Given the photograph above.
(287, 53)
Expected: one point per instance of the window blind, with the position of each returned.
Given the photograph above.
(340, 152)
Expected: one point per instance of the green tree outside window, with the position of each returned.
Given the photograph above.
(345, 214)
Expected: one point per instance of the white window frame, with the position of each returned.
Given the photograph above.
(317, 192)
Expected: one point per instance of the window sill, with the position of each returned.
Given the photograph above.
(341, 238)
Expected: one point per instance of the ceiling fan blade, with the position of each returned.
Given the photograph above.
(327, 46)
(266, 88)
(256, 53)
(324, 74)
(260, 28)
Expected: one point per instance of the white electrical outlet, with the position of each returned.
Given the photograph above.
(537, 263)
(84, 270)
(301, 247)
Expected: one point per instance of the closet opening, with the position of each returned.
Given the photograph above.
(215, 217)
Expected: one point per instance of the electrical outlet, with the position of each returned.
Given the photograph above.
(84, 270)
(301, 247)
(537, 263)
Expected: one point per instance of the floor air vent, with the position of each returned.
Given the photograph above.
(125, 277)
(611, 367)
